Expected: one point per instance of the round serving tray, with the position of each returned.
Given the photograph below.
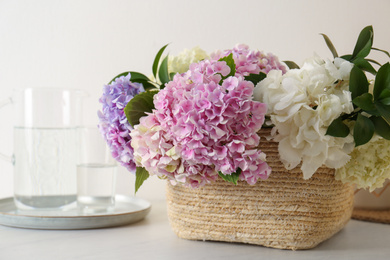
(127, 210)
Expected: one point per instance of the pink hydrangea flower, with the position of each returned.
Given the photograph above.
(200, 127)
(251, 61)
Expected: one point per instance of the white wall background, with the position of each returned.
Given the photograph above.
(83, 44)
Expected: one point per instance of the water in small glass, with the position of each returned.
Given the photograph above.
(96, 186)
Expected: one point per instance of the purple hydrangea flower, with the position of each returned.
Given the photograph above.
(113, 123)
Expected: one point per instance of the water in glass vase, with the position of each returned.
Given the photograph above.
(45, 167)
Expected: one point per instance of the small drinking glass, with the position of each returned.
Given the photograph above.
(96, 173)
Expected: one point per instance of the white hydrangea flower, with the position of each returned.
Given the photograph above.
(302, 104)
(331, 106)
(182, 62)
(369, 166)
(339, 69)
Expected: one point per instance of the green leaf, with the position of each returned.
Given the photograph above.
(291, 65)
(381, 127)
(386, 101)
(385, 52)
(363, 64)
(146, 84)
(141, 78)
(233, 178)
(138, 106)
(365, 102)
(330, 45)
(382, 80)
(364, 43)
(171, 75)
(140, 176)
(230, 62)
(374, 61)
(337, 128)
(358, 83)
(157, 60)
(255, 78)
(163, 72)
(138, 76)
(384, 111)
(383, 97)
(363, 131)
(347, 57)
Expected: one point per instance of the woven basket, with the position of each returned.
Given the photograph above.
(285, 211)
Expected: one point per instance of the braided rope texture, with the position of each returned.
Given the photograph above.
(285, 211)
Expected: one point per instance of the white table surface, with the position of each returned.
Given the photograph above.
(152, 238)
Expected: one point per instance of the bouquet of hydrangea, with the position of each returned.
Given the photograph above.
(197, 117)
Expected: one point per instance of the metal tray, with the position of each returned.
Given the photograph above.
(127, 210)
